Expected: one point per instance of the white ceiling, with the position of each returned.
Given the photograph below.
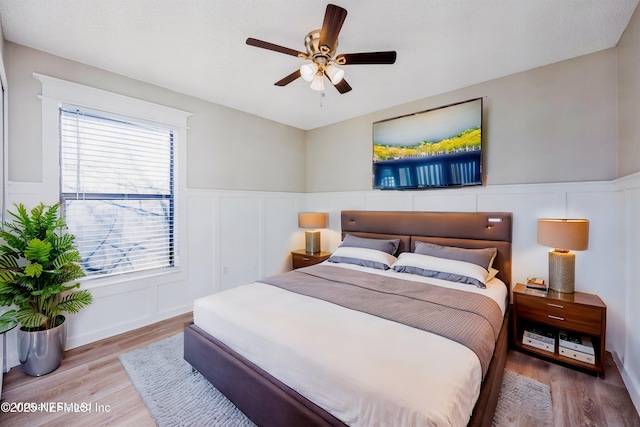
(197, 47)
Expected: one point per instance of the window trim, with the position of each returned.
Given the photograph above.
(55, 94)
(73, 113)
(4, 146)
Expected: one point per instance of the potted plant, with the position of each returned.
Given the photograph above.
(37, 261)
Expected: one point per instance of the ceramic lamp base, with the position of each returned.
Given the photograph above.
(562, 269)
(312, 242)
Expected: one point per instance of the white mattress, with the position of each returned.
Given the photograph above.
(364, 370)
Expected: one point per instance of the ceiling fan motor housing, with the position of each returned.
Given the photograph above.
(312, 43)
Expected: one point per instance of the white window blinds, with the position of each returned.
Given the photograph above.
(117, 191)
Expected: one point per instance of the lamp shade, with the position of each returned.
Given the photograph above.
(318, 82)
(565, 234)
(308, 71)
(312, 220)
(335, 74)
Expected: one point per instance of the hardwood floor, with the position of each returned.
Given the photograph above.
(580, 399)
(92, 374)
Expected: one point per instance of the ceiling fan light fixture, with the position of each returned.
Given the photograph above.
(307, 71)
(321, 46)
(335, 74)
(318, 82)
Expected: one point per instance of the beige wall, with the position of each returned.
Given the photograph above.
(227, 149)
(629, 98)
(552, 124)
(556, 123)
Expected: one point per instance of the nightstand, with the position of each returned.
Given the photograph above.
(579, 313)
(303, 259)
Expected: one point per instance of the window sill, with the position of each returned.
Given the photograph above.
(135, 280)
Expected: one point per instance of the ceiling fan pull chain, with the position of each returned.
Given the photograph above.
(321, 96)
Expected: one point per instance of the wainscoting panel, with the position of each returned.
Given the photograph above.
(240, 232)
(111, 313)
(389, 201)
(454, 200)
(281, 232)
(333, 203)
(629, 314)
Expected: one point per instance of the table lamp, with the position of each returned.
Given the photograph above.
(312, 220)
(563, 235)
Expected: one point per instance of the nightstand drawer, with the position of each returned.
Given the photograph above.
(302, 259)
(561, 314)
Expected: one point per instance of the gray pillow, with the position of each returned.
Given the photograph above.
(389, 246)
(363, 256)
(482, 257)
(359, 261)
(451, 277)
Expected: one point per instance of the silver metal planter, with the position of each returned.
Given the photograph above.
(41, 352)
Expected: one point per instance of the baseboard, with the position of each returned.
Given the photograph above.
(630, 381)
(73, 342)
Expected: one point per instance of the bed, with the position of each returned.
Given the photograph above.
(286, 357)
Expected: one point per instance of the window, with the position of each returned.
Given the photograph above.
(117, 190)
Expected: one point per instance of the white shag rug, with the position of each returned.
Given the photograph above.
(523, 401)
(177, 397)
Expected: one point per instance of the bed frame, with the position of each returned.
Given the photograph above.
(269, 402)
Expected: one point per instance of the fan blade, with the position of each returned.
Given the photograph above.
(274, 47)
(291, 77)
(388, 57)
(343, 86)
(334, 17)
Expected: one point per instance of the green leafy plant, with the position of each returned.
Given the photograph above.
(37, 262)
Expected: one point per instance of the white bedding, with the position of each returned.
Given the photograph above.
(364, 370)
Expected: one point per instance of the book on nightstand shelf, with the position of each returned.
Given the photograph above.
(578, 355)
(539, 338)
(575, 342)
(576, 346)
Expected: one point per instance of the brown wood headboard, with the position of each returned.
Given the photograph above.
(463, 229)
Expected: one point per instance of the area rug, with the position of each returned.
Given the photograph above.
(177, 397)
(523, 402)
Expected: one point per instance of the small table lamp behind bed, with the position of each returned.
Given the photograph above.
(312, 220)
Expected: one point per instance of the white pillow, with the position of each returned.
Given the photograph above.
(492, 273)
(442, 268)
(362, 256)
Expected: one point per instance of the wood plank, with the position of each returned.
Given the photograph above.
(93, 374)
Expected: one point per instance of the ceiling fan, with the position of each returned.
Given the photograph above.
(321, 46)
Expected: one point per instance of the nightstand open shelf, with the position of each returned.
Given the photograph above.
(580, 313)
